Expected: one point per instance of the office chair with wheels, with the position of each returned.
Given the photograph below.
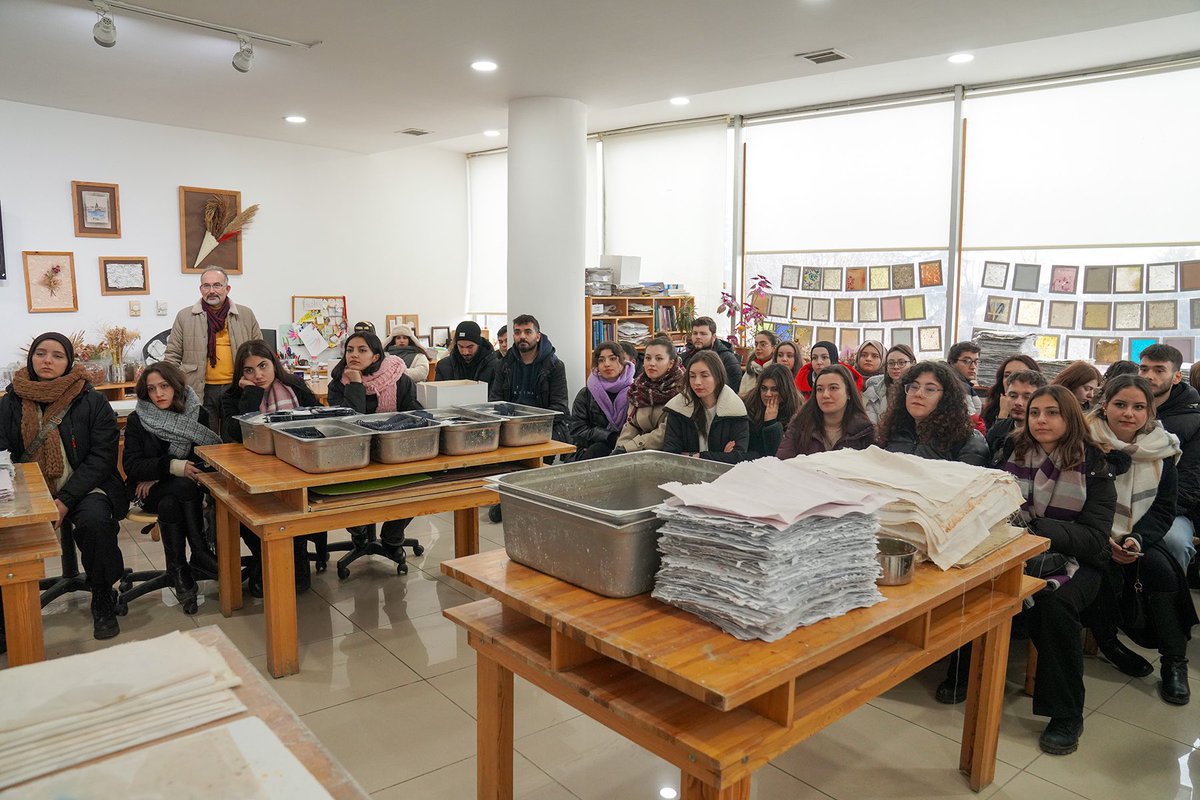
(371, 546)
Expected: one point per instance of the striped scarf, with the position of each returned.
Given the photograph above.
(1050, 492)
(1138, 486)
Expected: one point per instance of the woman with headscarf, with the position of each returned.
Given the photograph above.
(402, 342)
(868, 359)
(660, 380)
(602, 406)
(822, 355)
(51, 415)
(877, 391)
(162, 470)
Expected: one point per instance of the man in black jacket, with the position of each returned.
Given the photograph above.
(471, 357)
(1020, 388)
(704, 337)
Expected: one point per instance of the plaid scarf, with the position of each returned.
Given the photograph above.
(1138, 486)
(216, 324)
(49, 398)
(646, 392)
(1050, 492)
(180, 430)
(278, 397)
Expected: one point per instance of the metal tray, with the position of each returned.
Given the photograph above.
(399, 447)
(345, 446)
(256, 436)
(592, 523)
(523, 426)
(466, 432)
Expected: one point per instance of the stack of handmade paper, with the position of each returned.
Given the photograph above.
(751, 554)
(63, 712)
(947, 509)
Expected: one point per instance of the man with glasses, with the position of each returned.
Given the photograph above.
(204, 338)
(964, 360)
(1019, 389)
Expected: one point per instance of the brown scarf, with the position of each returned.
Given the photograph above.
(216, 324)
(55, 395)
(646, 392)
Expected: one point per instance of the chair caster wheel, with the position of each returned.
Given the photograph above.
(122, 609)
(402, 569)
(343, 573)
(418, 550)
(124, 585)
(322, 566)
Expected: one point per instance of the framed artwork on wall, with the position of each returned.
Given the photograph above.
(801, 307)
(440, 336)
(1026, 277)
(1106, 350)
(1186, 345)
(810, 279)
(1098, 280)
(929, 339)
(1189, 276)
(903, 276)
(1079, 348)
(873, 334)
(1161, 315)
(790, 278)
(998, 310)
(832, 279)
(1097, 317)
(914, 307)
(50, 281)
(881, 279)
(856, 279)
(825, 334)
(1062, 314)
(124, 275)
(97, 208)
(802, 336)
(1029, 312)
(411, 320)
(891, 310)
(778, 305)
(843, 309)
(1127, 316)
(902, 336)
(868, 309)
(1162, 277)
(228, 254)
(820, 309)
(1063, 279)
(931, 273)
(849, 338)
(995, 275)
(1127, 279)
(1047, 346)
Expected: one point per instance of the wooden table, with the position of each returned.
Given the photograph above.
(27, 539)
(270, 497)
(716, 707)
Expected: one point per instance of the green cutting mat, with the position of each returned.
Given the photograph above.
(372, 485)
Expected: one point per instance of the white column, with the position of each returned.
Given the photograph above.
(547, 196)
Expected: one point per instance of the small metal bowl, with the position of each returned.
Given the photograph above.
(896, 559)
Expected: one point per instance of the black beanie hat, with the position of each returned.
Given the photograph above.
(468, 330)
(58, 337)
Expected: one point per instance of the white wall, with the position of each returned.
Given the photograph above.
(388, 231)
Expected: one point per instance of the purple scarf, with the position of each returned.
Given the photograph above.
(615, 411)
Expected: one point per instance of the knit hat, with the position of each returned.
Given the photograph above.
(468, 330)
(364, 327)
(403, 329)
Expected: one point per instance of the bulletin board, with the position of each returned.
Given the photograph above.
(320, 322)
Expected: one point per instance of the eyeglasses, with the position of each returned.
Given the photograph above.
(929, 390)
(207, 287)
(903, 363)
(969, 362)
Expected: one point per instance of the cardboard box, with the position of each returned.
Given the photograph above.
(443, 394)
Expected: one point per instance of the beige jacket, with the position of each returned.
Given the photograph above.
(187, 346)
(645, 430)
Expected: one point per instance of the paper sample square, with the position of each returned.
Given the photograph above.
(1162, 277)
(995, 275)
(791, 278)
(1137, 345)
(1128, 279)
(802, 336)
(1186, 345)
(929, 339)
(849, 338)
(832, 280)
(1189, 276)
(1107, 351)
(820, 309)
(1063, 279)
(902, 336)
(881, 278)
(914, 306)
(904, 276)
(1079, 348)
(843, 309)
(1098, 280)
(856, 279)
(1127, 316)
(873, 334)
(1029, 312)
(810, 279)
(1097, 316)
(1161, 315)
(998, 310)
(1026, 277)
(1195, 312)
(826, 334)
(1062, 314)
(1047, 346)
(800, 307)
(890, 309)
(868, 309)
(778, 305)
(931, 273)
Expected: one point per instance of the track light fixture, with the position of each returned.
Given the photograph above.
(105, 30)
(244, 57)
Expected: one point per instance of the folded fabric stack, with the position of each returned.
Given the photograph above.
(633, 332)
(757, 559)
(69, 710)
(947, 509)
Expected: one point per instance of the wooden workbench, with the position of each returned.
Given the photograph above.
(27, 539)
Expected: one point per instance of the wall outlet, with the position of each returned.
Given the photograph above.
(135, 308)
(160, 308)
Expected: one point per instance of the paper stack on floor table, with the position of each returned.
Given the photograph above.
(63, 712)
(755, 557)
(944, 508)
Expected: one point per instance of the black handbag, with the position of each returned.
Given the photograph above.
(1134, 608)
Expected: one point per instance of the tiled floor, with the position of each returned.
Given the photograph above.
(388, 684)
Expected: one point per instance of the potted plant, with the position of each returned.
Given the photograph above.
(746, 316)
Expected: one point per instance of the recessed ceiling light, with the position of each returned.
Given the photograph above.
(679, 101)
(484, 66)
(491, 133)
(295, 119)
(668, 793)
(961, 58)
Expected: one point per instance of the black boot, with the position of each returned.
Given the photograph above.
(1172, 647)
(958, 674)
(104, 612)
(1124, 659)
(174, 542)
(204, 560)
(494, 514)
(1061, 736)
(1174, 688)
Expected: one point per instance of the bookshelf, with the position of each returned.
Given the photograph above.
(658, 313)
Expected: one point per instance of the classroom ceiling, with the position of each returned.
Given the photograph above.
(386, 65)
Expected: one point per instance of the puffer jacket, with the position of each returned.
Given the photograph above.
(973, 451)
(875, 397)
(860, 436)
(645, 430)
(730, 424)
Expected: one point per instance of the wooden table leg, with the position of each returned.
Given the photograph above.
(229, 560)
(493, 729)
(23, 623)
(466, 532)
(985, 705)
(695, 789)
(279, 607)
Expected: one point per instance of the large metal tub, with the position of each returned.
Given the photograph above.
(523, 425)
(399, 447)
(466, 432)
(345, 446)
(256, 436)
(592, 523)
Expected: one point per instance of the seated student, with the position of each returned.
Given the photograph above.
(769, 407)
(1081, 378)
(1070, 500)
(787, 354)
(402, 342)
(78, 459)
(162, 469)
(264, 385)
(822, 355)
(660, 380)
(1124, 424)
(1020, 387)
(868, 359)
(708, 419)
(878, 390)
(932, 422)
(765, 343)
(964, 360)
(471, 357)
(835, 421)
(996, 403)
(704, 337)
(1118, 368)
(601, 408)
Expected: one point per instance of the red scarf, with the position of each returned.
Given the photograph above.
(216, 324)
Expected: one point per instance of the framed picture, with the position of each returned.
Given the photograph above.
(1189, 276)
(849, 338)
(1127, 279)
(810, 279)
(1195, 312)
(228, 254)
(439, 335)
(1062, 314)
(856, 279)
(929, 339)
(127, 275)
(824, 334)
(1097, 316)
(872, 334)
(998, 310)
(904, 276)
(778, 305)
(411, 320)
(843, 309)
(1026, 277)
(931, 273)
(1079, 348)
(914, 306)
(820, 309)
(801, 307)
(902, 336)
(802, 335)
(1137, 345)
(1106, 350)
(1162, 277)
(868, 309)
(1186, 345)
(1029, 312)
(1046, 345)
(50, 281)
(891, 309)
(790, 278)
(97, 208)
(832, 279)
(995, 275)
(1063, 279)
(1161, 315)
(1127, 316)
(881, 278)
(1098, 280)
(424, 340)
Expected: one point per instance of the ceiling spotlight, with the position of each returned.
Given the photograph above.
(295, 119)
(961, 58)
(679, 101)
(491, 133)
(484, 66)
(104, 31)
(244, 58)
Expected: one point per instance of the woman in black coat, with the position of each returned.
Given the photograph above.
(601, 408)
(932, 422)
(77, 457)
(162, 470)
(707, 419)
